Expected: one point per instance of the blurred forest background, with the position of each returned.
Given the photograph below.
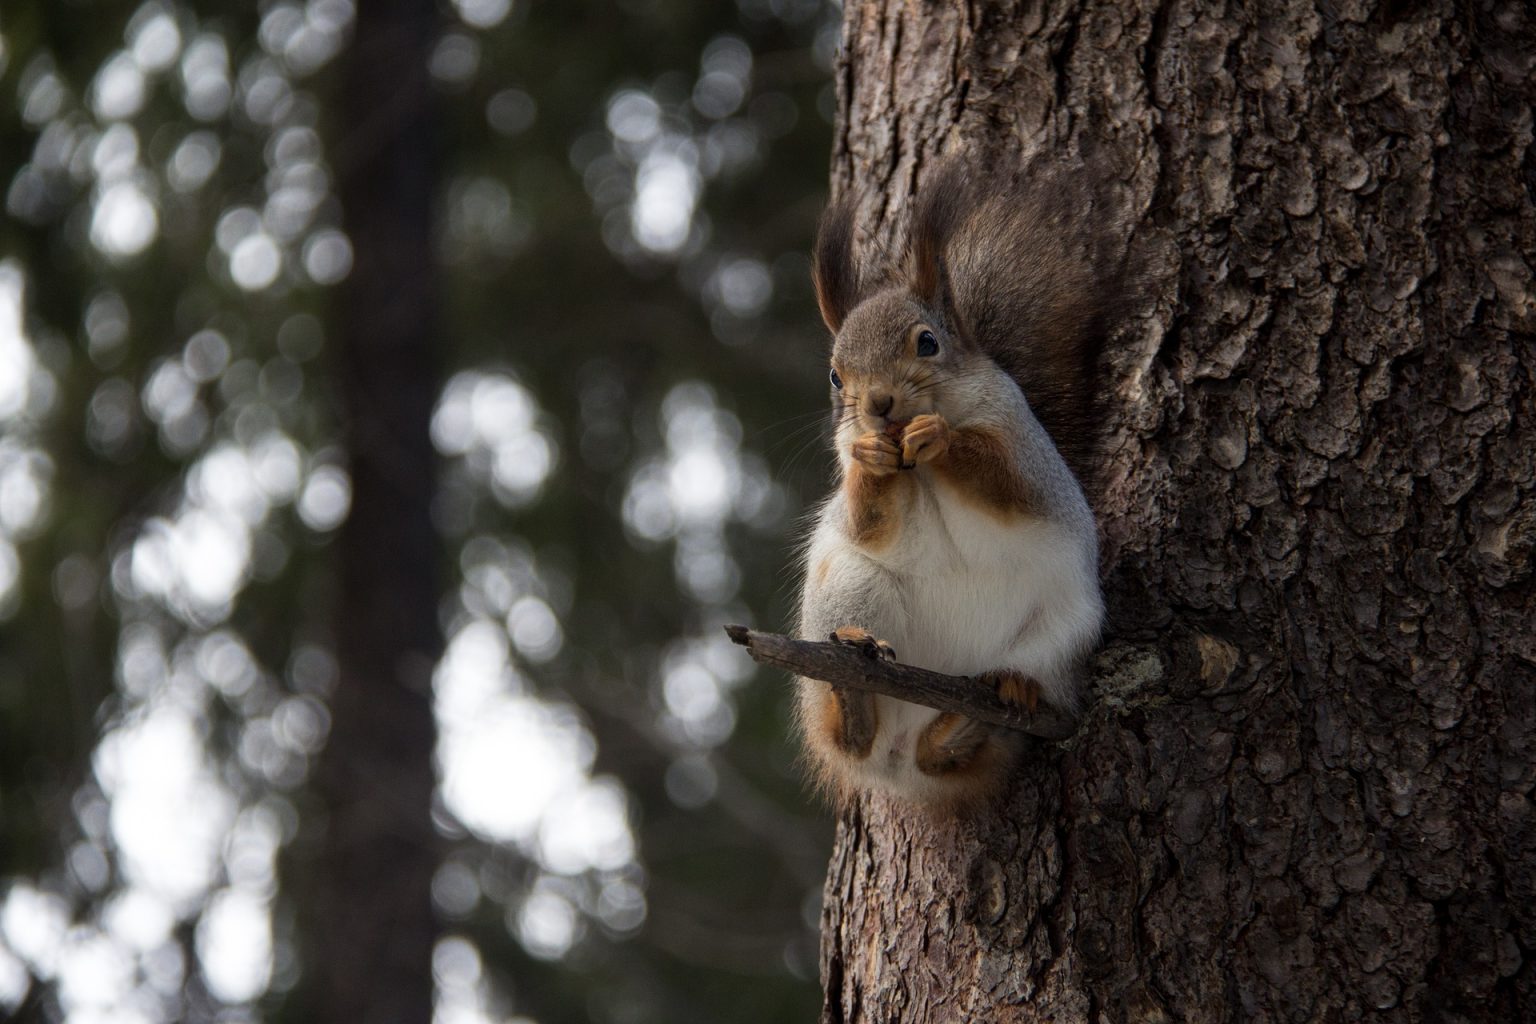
(626, 404)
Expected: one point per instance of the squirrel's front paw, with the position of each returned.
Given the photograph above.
(864, 640)
(878, 454)
(925, 439)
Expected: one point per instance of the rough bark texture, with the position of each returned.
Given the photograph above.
(371, 922)
(1304, 789)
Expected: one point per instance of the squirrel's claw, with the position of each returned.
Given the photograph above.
(864, 640)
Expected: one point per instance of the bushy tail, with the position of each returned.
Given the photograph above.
(1037, 283)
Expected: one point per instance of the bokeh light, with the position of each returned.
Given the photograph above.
(175, 468)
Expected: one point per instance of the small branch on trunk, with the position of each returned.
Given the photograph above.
(844, 665)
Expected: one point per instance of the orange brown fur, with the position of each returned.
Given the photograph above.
(936, 754)
(845, 720)
(973, 773)
(821, 724)
(1015, 688)
(829, 718)
(823, 567)
(872, 514)
(980, 465)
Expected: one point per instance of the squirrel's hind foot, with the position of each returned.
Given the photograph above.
(949, 744)
(1015, 688)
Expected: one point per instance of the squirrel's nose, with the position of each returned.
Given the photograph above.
(879, 404)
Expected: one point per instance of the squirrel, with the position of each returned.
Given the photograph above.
(965, 410)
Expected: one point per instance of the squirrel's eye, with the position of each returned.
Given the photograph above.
(927, 344)
(837, 381)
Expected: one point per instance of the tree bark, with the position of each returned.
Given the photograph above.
(1303, 791)
(371, 926)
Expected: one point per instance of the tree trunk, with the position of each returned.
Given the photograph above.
(1303, 791)
(371, 923)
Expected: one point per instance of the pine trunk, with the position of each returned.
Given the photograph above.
(1303, 791)
(370, 923)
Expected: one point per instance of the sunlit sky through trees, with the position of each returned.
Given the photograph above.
(628, 425)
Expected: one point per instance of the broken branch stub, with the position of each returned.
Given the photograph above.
(844, 665)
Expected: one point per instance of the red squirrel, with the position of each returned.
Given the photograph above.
(959, 537)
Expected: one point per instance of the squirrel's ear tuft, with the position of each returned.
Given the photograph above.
(836, 277)
(939, 208)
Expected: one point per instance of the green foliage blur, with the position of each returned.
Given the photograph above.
(630, 424)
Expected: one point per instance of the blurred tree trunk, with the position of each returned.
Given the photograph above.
(372, 926)
(1304, 790)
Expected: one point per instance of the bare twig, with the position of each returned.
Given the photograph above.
(843, 665)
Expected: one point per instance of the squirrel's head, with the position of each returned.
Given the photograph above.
(899, 350)
(893, 358)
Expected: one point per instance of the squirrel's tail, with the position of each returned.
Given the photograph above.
(1038, 284)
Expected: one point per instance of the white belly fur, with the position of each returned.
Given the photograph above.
(978, 592)
(962, 591)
